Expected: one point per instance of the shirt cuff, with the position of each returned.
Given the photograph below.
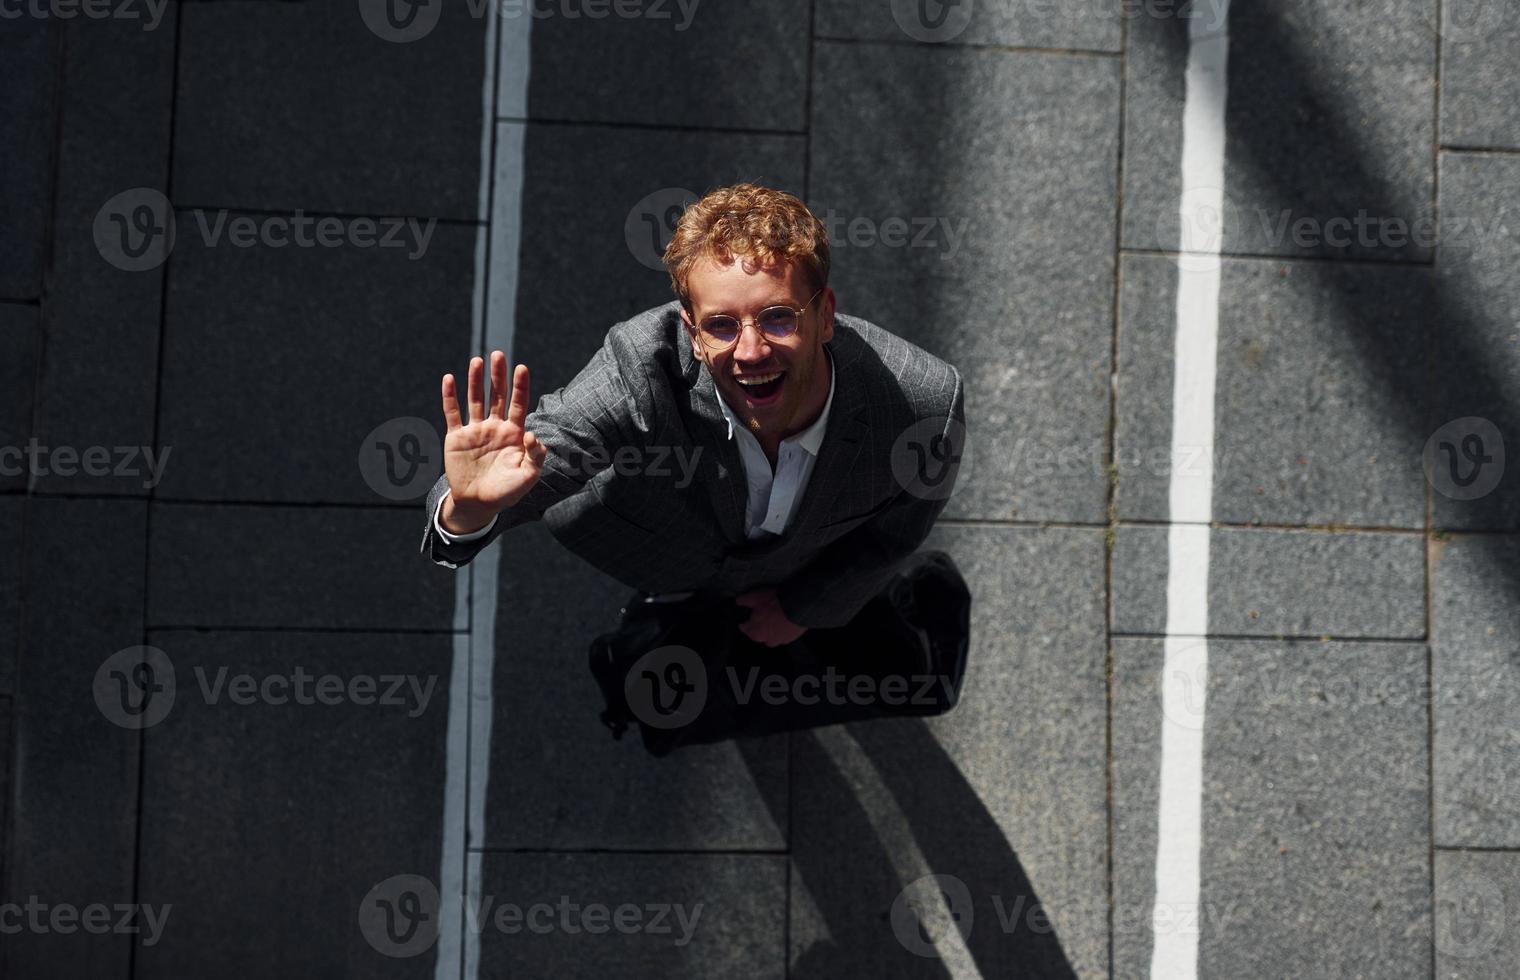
(457, 538)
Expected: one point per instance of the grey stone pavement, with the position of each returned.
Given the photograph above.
(162, 306)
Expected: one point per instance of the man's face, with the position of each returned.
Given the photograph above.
(742, 289)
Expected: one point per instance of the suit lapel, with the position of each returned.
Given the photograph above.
(723, 469)
(843, 438)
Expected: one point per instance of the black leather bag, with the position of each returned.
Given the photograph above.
(686, 674)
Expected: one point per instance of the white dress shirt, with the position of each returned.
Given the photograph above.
(773, 496)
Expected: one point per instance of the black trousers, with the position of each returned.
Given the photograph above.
(685, 672)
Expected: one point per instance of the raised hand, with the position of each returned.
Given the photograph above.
(492, 461)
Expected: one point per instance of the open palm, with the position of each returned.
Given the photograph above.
(493, 460)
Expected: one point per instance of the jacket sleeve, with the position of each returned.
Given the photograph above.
(579, 424)
(832, 588)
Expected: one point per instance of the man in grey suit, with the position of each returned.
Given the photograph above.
(743, 440)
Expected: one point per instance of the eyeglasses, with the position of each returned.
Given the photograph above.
(721, 331)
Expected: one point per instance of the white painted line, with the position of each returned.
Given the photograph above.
(497, 248)
(1179, 845)
(456, 749)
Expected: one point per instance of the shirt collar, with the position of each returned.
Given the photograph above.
(811, 437)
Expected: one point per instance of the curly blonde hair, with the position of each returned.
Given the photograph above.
(747, 221)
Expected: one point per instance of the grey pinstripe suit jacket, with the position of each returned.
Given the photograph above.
(636, 521)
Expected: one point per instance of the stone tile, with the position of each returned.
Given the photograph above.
(992, 187)
(1474, 625)
(1154, 65)
(1477, 349)
(584, 186)
(1315, 821)
(301, 806)
(545, 712)
(12, 540)
(322, 346)
(675, 64)
(385, 127)
(20, 343)
(1477, 895)
(1355, 82)
(101, 318)
(1320, 398)
(734, 908)
(27, 73)
(1281, 583)
(1087, 24)
(1006, 793)
(73, 817)
(7, 712)
(294, 567)
(1480, 92)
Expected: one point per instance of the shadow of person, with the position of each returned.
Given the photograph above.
(849, 858)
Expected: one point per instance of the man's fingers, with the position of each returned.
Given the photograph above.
(518, 412)
(450, 403)
(477, 389)
(537, 451)
(498, 385)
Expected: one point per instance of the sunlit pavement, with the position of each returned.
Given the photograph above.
(360, 198)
